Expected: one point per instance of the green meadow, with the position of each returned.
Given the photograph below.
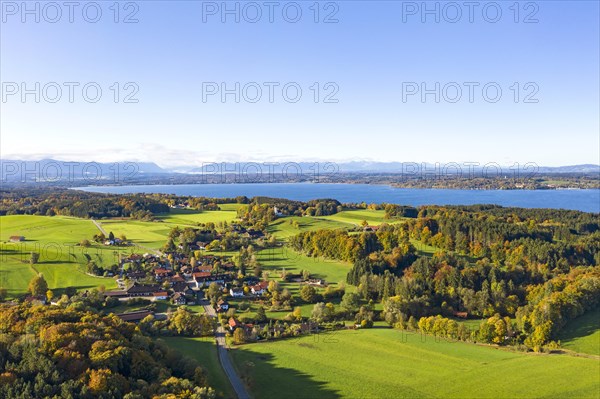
(286, 227)
(386, 363)
(204, 350)
(227, 213)
(356, 217)
(583, 334)
(61, 260)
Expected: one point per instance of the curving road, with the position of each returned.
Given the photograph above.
(234, 379)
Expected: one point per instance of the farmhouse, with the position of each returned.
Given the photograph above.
(236, 292)
(16, 239)
(179, 299)
(260, 288)
(222, 306)
(233, 324)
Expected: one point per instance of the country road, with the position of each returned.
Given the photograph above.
(224, 358)
(99, 226)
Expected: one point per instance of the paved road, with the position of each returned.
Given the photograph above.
(224, 358)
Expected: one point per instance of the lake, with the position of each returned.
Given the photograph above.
(582, 200)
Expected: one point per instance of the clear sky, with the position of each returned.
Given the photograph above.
(371, 61)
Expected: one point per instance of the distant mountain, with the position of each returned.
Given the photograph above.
(50, 170)
(367, 167)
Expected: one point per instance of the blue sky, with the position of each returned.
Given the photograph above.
(374, 53)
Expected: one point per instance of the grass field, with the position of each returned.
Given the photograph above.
(149, 234)
(386, 363)
(204, 351)
(583, 334)
(282, 228)
(228, 213)
(61, 259)
(356, 216)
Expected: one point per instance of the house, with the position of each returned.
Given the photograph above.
(260, 288)
(36, 299)
(179, 299)
(316, 281)
(182, 288)
(233, 324)
(236, 292)
(135, 316)
(222, 306)
(462, 315)
(16, 239)
(160, 295)
(142, 290)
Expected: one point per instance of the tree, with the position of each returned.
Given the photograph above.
(239, 336)
(38, 285)
(308, 294)
(49, 295)
(260, 314)
(34, 258)
(111, 236)
(214, 292)
(3, 293)
(318, 312)
(84, 243)
(350, 301)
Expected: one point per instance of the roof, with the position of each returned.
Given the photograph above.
(139, 288)
(135, 316)
(160, 293)
(263, 285)
(233, 323)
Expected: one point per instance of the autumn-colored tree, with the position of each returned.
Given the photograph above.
(38, 285)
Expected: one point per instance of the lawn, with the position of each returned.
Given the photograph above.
(583, 334)
(386, 363)
(204, 351)
(61, 259)
(148, 234)
(356, 217)
(278, 258)
(228, 213)
(282, 228)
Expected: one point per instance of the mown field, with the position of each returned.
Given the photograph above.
(583, 334)
(284, 228)
(56, 239)
(227, 213)
(386, 363)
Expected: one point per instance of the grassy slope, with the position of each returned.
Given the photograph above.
(204, 351)
(356, 216)
(192, 217)
(583, 334)
(385, 363)
(282, 228)
(55, 238)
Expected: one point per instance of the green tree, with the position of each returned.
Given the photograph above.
(308, 294)
(38, 285)
(34, 258)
